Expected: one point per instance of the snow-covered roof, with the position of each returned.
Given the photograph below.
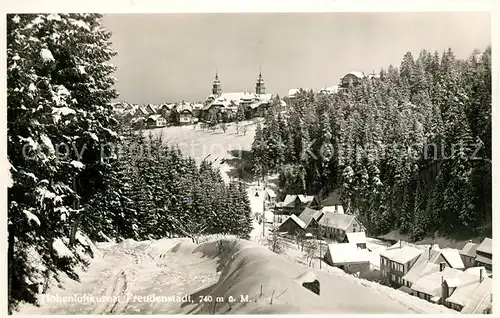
(336, 220)
(402, 254)
(333, 209)
(348, 253)
(485, 246)
(466, 285)
(475, 270)
(265, 97)
(155, 117)
(357, 74)
(309, 214)
(305, 198)
(356, 237)
(271, 193)
(329, 90)
(419, 270)
(431, 284)
(469, 249)
(289, 200)
(292, 92)
(282, 103)
(480, 299)
(453, 258)
(295, 219)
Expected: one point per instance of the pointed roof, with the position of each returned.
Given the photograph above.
(469, 249)
(309, 214)
(485, 246)
(356, 237)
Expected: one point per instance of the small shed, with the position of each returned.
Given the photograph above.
(350, 258)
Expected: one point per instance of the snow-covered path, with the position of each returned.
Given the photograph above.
(124, 272)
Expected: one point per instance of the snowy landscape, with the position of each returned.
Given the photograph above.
(318, 201)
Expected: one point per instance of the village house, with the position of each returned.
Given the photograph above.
(310, 218)
(186, 116)
(396, 262)
(468, 254)
(355, 78)
(335, 225)
(156, 121)
(469, 294)
(484, 254)
(329, 90)
(357, 238)
(429, 262)
(291, 225)
(292, 93)
(351, 78)
(349, 258)
(429, 287)
(295, 204)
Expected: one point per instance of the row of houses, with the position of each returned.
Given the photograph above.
(154, 115)
(440, 275)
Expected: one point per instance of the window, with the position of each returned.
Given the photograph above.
(393, 277)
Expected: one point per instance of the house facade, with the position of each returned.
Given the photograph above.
(291, 225)
(396, 262)
(186, 117)
(351, 78)
(336, 225)
(156, 121)
(468, 254)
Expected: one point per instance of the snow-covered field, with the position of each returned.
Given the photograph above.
(175, 276)
(198, 143)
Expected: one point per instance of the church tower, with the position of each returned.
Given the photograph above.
(216, 87)
(260, 87)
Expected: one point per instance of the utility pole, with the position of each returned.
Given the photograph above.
(263, 217)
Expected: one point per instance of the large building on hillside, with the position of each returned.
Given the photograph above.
(219, 104)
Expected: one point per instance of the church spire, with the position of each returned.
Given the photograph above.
(260, 87)
(216, 86)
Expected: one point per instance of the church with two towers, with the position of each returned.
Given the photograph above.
(230, 101)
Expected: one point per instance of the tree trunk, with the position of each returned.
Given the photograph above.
(74, 228)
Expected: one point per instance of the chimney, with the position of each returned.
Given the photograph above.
(481, 275)
(442, 265)
(430, 252)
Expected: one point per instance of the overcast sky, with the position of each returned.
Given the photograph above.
(173, 57)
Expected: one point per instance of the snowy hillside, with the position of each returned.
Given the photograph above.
(198, 143)
(164, 271)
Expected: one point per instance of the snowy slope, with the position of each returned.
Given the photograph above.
(199, 143)
(176, 267)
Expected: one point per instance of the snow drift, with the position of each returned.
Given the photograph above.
(259, 281)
